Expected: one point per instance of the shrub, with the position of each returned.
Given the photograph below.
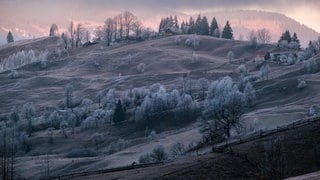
(159, 154)
(258, 62)
(177, 149)
(141, 67)
(193, 41)
(302, 84)
(311, 66)
(145, 158)
(83, 152)
(117, 146)
(314, 110)
(230, 56)
(97, 138)
(242, 69)
(14, 74)
(195, 58)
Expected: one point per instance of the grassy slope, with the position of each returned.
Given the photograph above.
(279, 101)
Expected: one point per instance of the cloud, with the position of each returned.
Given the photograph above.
(46, 12)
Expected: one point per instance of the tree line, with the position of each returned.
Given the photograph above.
(199, 26)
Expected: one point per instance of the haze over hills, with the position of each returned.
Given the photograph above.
(242, 22)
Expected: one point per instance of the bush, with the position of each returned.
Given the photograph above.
(13, 74)
(83, 152)
(145, 158)
(242, 69)
(230, 56)
(193, 41)
(314, 110)
(117, 146)
(302, 84)
(195, 58)
(141, 67)
(177, 149)
(311, 66)
(97, 138)
(158, 154)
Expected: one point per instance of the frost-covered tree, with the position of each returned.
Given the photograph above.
(141, 67)
(301, 84)
(159, 154)
(65, 40)
(68, 96)
(10, 37)
(193, 41)
(55, 119)
(242, 69)
(230, 56)
(28, 113)
(165, 107)
(225, 104)
(204, 85)
(71, 31)
(194, 58)
(249, 95)
(314, 110)
(109, 100)
(53, 30)
(264, 72)
(311, 66)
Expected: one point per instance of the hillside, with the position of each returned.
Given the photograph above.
(168, 61)
(243, 21)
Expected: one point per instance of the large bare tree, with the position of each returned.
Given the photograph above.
(129, 20)
(263, 36)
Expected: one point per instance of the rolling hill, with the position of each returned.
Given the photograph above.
(168, 61)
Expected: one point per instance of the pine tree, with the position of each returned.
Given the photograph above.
(286, 36)
(175, 22)
(192, 28)
(119, 113)
(227, 32)
(204, 26)
(213, 26)
(296, 40)
(10, 37)
(198, 24)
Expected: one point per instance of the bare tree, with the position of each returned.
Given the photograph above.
(99, 33)
(108, 30)
(79, 34)
(137, 28)
(120, 24)
(71, 31)
(263, 36)
(64, 37)
(129, 20)
(87, 36)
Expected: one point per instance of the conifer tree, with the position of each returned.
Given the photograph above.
(296, 40)
(119, 113)
(227, 32)
(213, 26)
(204, 26)
(10, 37)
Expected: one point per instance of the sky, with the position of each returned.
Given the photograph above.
(40, 14)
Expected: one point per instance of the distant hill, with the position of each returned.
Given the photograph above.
(243, 21)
